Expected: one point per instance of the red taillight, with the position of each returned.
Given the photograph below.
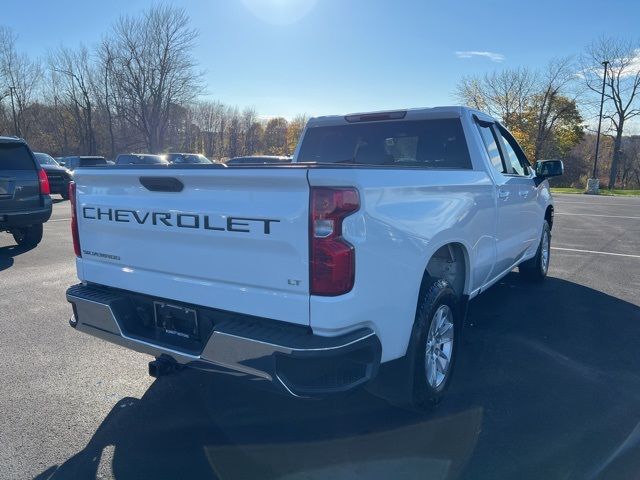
(332, 258)
(44, 182)
(74, 219)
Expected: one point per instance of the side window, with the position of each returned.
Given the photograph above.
(514, 154)
(489, 140)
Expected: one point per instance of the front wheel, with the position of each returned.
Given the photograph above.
(28, 236)
(434, 343)
(536, 268)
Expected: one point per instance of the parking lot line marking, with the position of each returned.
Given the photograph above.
(594, 215)
(591, 204)
(594, 251)
(60, 220)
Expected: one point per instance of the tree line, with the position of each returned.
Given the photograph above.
(553, 111)
(139, 90)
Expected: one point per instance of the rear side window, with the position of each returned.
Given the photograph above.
(490, 143)
(15, 156)
(515, 155)
(418, 143)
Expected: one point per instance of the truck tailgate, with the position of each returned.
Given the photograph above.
(232, 239)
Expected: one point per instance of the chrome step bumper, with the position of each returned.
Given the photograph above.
(290, 358)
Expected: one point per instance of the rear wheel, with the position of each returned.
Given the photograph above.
(536, 268)
(434, 343)
(28, 236)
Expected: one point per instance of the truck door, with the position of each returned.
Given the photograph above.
(522, 204)
(508, 201)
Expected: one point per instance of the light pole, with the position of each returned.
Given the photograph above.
(593, 184)
(13, 110)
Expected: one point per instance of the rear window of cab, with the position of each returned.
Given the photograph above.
(431, 144)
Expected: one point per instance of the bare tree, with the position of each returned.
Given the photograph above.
(551, 104)
(251, 131)
(154, 69)
(538, 107)
(208, 116)
(622, 83)
(77, 88)
(20, 74)
(56, 123)
(104, 88)
(504, 94)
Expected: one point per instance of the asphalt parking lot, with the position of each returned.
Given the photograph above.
(547, 385)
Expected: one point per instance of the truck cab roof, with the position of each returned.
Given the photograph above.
(401, 114)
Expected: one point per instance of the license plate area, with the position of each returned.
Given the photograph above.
(176, 320)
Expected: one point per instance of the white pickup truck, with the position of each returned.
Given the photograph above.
(316, 276)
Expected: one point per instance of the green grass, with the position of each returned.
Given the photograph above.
(603, 191)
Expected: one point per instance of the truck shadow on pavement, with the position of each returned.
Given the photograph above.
(547, 386)
(8, 253)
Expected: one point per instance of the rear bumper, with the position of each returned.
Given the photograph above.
(286, 357)
(26, 218)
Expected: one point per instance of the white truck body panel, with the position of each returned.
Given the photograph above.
(248, 272)
(402, 221)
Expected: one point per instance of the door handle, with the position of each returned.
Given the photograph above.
(503, 194)
(523, 193)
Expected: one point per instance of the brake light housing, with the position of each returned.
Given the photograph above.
(332, 262)
(44, 182)
(74, 220)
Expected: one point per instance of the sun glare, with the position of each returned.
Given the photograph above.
(279, 12)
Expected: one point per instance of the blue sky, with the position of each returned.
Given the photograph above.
(285, 57)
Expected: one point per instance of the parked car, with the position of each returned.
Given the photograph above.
(354, 270)
(84, 161)
(258, 160)
(59, 177)
(25, 204)
(182, 158)
(60, 161)
(140, 159)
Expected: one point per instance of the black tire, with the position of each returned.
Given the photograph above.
(28, 236)
(65, 196)
(436, 295)
(536, 268)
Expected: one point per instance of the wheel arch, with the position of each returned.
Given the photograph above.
(451, 262)
(548, 215)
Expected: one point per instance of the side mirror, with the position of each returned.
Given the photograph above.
(549, 168)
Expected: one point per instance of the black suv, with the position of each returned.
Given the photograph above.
(59, 177)
(25, 203)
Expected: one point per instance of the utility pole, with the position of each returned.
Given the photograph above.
(13, 110)
(593, 184)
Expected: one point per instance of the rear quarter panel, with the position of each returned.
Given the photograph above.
(405, 216)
